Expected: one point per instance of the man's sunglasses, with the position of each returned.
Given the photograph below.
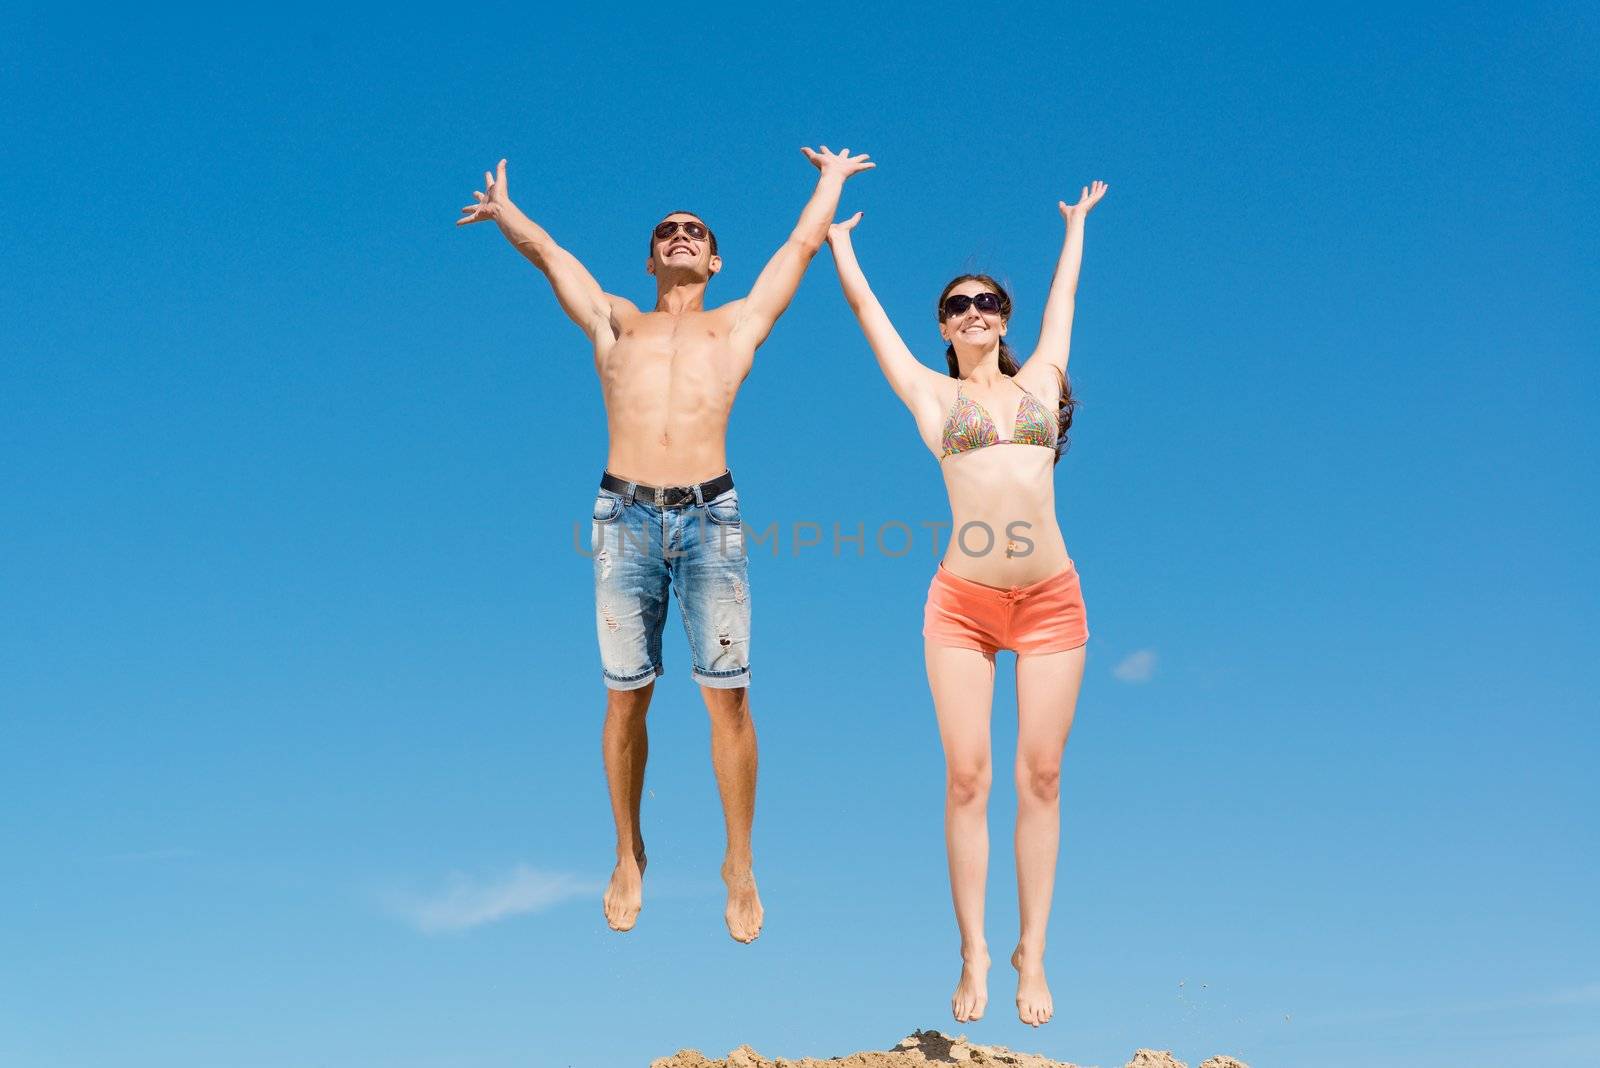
(694, 230)
(958, 303)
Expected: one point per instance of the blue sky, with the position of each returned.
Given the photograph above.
(297, 670)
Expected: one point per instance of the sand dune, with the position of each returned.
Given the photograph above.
(920, 1050)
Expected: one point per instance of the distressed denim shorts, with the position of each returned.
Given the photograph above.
(695, 550)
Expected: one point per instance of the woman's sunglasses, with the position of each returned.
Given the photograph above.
(958, 303)
(694, 230)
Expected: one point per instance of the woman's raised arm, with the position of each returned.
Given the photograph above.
(913, 383)
(1055, 332)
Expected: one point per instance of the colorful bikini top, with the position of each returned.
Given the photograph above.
(968, 426)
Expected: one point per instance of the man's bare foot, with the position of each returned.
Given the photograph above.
(744, 913)
(1034, 1004)
(625, 895)
(972, 992)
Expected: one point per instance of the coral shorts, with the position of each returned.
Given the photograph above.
(1045, 617)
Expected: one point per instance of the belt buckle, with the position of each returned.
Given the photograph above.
(661, 497)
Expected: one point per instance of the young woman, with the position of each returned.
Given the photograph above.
(1006, 581)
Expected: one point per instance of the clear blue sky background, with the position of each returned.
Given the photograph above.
(295, 651)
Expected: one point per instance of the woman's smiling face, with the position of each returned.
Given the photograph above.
(972, 314)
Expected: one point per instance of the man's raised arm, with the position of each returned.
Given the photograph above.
(781, 277)
(580, 295)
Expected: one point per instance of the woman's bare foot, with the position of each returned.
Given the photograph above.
(744, 913)
(1034, 1004)
(972, 992)
(625, 895)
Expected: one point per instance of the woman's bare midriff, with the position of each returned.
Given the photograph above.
(1003, 519)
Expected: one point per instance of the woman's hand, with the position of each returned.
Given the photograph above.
(841, 163)
(491, 201)
(1087, 199)
(840, 231)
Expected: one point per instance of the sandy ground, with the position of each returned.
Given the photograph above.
(919, 1050)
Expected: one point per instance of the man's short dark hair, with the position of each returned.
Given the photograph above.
(701, 221)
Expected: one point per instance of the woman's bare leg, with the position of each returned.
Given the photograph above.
(1047, 695)
(962, 681)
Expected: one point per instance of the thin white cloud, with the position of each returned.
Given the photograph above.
(1136, 667)
(465, 902)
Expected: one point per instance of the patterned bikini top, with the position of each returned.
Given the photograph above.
(968, 426)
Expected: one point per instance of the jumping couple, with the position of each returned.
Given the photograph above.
(667, 517)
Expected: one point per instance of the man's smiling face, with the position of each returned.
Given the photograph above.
(683, 242)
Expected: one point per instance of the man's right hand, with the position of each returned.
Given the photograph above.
(580, 295)
(491, 201)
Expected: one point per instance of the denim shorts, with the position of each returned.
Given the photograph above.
(695, 550)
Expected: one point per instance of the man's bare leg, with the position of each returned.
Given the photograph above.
(626, 744)
(733, 757)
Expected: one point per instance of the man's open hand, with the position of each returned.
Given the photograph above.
(493, 198)
(841, 163)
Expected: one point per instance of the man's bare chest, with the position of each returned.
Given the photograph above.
(658, 338)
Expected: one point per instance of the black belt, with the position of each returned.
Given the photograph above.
(667, 496)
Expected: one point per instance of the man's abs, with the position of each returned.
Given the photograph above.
(669, 383)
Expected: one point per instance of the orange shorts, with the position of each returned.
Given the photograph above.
(1045, 617)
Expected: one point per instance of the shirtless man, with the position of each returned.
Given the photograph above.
(667, 514)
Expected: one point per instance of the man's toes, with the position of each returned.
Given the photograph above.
(621, 908)
(744, 921)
